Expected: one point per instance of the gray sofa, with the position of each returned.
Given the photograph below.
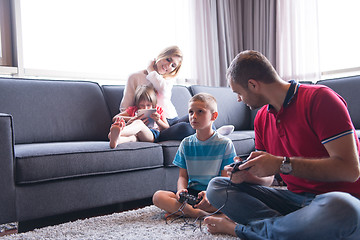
(55, 156)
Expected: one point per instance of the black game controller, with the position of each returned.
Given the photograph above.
(236, 165)
(190, 199)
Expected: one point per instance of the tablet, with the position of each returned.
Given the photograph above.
(147, 113)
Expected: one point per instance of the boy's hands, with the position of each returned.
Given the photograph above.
(204, 203)
(180, 191)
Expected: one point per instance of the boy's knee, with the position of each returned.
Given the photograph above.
(156, 197)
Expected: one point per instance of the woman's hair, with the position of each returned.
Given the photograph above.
(251, 64)
(206, 98)
(173, 51)
(145, 93)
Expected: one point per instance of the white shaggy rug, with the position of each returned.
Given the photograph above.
(144, 223)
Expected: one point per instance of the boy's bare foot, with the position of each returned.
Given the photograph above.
(169, 216)
(220, 225)
(115, 130)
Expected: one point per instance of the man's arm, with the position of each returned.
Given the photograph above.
(341, 165)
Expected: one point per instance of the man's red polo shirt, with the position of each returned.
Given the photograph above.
(311, 116)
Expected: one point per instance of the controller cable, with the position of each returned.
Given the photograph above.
(200, 218)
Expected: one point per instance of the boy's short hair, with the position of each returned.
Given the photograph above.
(206, 98)
(147, 93)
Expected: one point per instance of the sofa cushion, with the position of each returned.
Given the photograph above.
(55, 111)
(243, 142)
(113, 95)
(52, 161)
(180, 98)
(230, 111)
(169, 150)
(348, 88)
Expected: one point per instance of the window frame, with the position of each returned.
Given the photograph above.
(5, 33)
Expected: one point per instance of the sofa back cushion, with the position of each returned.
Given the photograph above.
(55, 111)
(230, 111)
(113, 95)
(348, 88)
(180, 98)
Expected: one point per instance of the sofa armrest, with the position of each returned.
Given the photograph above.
(7, 176)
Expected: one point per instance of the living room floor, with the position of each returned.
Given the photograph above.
(26, 226)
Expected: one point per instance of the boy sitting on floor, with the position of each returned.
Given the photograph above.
(200, 157)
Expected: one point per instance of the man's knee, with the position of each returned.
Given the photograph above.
(342, 206)
(216, 189)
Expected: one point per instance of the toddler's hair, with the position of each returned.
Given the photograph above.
(206, 98)
(145, 93)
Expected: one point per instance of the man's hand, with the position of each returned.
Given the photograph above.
(259, 168)
(262, 164)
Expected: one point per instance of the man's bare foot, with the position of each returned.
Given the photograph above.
(115, 130)
(220, 225)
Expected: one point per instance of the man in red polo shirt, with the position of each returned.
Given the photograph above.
(303, 132)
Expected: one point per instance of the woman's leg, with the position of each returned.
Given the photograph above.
(177, 131)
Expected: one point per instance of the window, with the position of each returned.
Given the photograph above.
(339, 35)
(109, 38)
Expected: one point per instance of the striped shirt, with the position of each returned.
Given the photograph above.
(204, 160)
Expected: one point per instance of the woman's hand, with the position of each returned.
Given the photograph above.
(151, 66)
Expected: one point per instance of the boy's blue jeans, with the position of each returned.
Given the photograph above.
(268, 213)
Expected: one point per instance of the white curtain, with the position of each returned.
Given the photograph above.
(205, 37)
(297, 40)
(224, 28)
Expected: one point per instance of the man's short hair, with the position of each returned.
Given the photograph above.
(251, 64)
(206, 98)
